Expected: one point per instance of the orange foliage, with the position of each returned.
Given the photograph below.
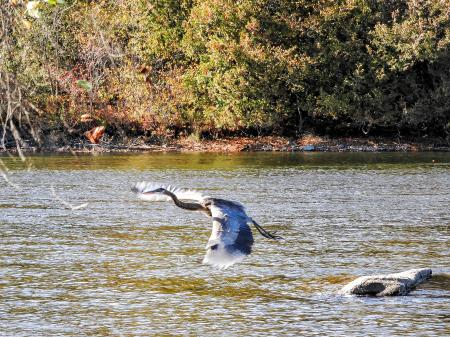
(86, 118)
(94, 135)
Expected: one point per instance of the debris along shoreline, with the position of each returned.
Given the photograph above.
(307, 143)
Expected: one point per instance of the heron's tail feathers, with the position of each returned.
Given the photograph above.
(265, 233)
(219, 256)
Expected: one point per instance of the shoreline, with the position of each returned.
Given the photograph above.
(308, 143)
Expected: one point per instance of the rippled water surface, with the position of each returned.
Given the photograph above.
(125, 267)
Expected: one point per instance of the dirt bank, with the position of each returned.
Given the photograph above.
(306, 143)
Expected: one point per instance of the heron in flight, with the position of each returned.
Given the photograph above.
(231, 237)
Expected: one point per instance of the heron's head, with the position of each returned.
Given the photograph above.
(139, 189)
(158, 190)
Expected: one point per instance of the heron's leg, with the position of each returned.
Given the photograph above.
(264, 232)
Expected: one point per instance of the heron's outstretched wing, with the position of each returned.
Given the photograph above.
(231, 238)
(144, 187)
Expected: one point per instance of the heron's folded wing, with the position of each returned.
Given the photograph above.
(143, 188)
(231, 237)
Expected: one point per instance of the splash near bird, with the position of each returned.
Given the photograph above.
(231, 237)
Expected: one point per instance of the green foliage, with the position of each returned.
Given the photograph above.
(84, 85)
(280, 66)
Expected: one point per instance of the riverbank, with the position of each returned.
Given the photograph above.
(307, 143)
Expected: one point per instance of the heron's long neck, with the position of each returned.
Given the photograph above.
(185, 205)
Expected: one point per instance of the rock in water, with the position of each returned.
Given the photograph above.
(387, 285)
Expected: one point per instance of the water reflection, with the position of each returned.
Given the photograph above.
(124, 267)
(224, 161)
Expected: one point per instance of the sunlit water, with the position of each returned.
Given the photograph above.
(125, 267)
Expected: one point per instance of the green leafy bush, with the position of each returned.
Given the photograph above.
(269, 66)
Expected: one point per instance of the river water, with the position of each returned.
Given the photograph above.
(125, 267)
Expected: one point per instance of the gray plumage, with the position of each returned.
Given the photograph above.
(231, 238)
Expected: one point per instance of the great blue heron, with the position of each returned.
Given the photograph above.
(231, 237)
